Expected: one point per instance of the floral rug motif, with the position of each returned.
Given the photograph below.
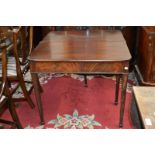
(75, 121)
(71, 122)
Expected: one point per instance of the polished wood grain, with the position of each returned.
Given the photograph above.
(82, 46)
(82, 52)
(145, 98)
(146, 54)
(79, 67)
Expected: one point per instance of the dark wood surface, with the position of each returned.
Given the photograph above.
(145, 98)
(130, 35)
(82, 46)
(146, 54)
(93, 52)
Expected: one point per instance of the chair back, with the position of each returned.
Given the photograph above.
(22, 43)
(19, 38)
(3, 61)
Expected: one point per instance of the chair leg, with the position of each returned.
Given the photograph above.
(39, 85)
(25, 92)
(118, 77)
(38, 97)
(14, 114)
(85, 81)
(9, 84)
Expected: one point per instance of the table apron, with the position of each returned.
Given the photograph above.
(79, 67)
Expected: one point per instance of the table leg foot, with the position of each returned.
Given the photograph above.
(120, 125)
(116, 103)
(42, 123)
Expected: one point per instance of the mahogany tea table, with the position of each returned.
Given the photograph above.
(81, 52)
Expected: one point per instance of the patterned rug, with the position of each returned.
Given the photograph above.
(68, 104)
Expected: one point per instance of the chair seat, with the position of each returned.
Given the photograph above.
(11, 67)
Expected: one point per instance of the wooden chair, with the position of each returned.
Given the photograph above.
(19, 45)
(5, 96)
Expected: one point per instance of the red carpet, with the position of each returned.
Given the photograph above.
(68, 104)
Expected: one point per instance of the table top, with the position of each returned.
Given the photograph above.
(145, 99)
(82, 46)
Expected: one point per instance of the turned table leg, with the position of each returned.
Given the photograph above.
(118, 77)
(123, 95)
